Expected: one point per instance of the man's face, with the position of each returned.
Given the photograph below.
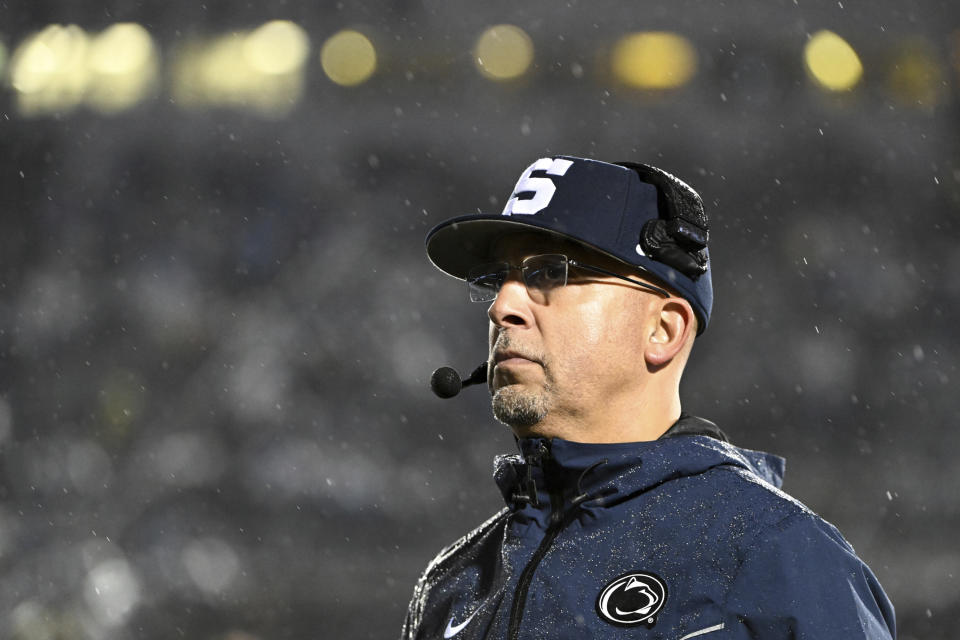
(563, 357)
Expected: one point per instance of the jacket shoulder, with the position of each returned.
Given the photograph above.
(441, 564)
(768, 504)
(735, 507)
(797, 575)
(451, 551)
(800, 578)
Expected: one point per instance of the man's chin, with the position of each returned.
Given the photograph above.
(518, 407)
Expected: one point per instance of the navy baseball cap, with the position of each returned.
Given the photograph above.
(636, 213)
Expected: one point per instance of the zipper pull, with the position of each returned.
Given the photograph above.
(544, 450)
(535, 458)
(538, 455)
(531, 488)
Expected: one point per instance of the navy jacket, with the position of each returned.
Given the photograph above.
(683, 537)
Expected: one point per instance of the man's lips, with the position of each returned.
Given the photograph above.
(512, 358)
(509, 362)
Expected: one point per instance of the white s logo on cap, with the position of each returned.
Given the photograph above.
(542, 188)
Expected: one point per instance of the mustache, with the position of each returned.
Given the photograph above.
(505, 342)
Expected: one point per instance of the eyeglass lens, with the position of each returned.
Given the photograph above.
(540, 274)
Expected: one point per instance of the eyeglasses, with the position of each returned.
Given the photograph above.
(540, 275)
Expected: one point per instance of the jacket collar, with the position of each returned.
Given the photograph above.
(597, 475)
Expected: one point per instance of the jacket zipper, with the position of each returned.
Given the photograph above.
(526, 577)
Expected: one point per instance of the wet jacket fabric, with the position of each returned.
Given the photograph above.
(684, 537)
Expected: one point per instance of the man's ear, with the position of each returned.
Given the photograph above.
(671, 330)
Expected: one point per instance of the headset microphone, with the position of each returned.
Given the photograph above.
(446, 382)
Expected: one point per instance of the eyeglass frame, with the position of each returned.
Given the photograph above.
(567, 262)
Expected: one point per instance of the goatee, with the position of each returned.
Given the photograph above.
(517, 408)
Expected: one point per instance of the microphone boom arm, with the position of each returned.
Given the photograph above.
(479, 375)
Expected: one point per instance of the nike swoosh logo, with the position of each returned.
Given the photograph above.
(453, 630)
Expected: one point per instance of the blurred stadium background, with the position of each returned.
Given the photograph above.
(217, 322)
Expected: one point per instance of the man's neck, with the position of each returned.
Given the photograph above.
(615, 422)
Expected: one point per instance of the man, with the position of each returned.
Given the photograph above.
(625, 518)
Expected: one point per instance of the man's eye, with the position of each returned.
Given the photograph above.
(544, 276)
(554, 272)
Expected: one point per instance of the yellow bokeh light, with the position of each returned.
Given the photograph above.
(654, 60)
(123, 64)
(48, 70)
(120, 49)
(348, 58)
(277, 47)
(51, 58)
(223, 67)
(832, 62)
(503, 52)
(262, 70)
(61, 66)
(916, 76)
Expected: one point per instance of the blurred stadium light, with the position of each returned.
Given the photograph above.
(60, 67)
(278, 47)
(348, 58)
(916, 77)
(48, 69)
(831, 62)
(261, 69)
(503, 52)
(654, 60)
(123, 65)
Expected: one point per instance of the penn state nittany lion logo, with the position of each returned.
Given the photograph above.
(632, 598)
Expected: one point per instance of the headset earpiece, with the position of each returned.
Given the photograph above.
(676, 244)
(679, 237)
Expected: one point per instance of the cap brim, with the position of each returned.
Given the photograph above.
(458, 244)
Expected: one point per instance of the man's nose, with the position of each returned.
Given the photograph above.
(511, 307)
